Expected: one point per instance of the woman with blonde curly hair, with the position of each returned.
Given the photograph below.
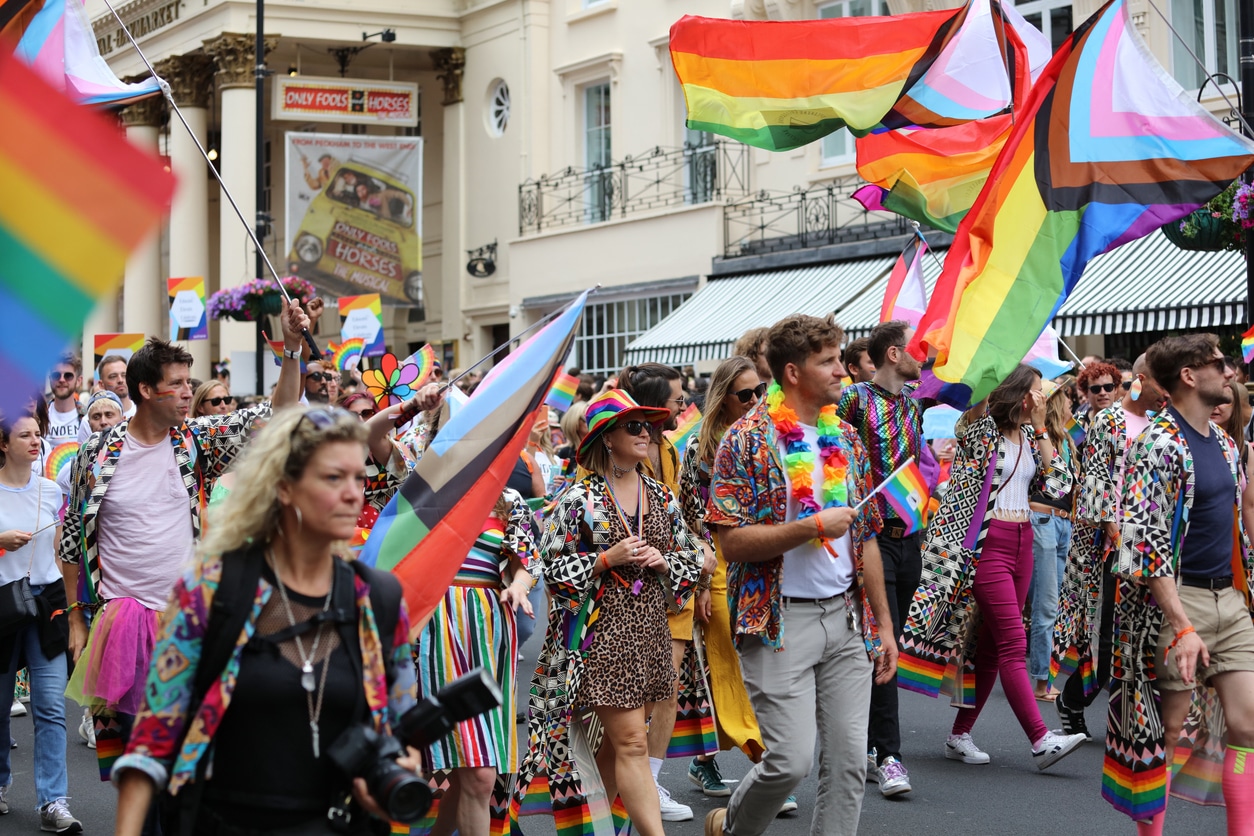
(323, 645)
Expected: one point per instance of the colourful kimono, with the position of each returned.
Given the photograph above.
(1080, 599)
(1157, 497)
(940, 635)
(748, 487)
(558, 774)
(168, 741)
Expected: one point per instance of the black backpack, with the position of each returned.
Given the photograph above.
(232, 604)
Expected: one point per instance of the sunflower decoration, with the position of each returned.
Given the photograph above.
(392, 383)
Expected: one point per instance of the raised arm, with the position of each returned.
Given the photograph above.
(294, 321)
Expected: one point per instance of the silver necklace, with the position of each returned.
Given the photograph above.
(306, 668)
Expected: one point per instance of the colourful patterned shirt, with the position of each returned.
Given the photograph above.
(889, 426)
(748, 487)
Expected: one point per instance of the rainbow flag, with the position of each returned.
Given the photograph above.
(347, 354)
(906, 492)
(1076, 431)
(121, 345)
(77, 199)
(905, 296)
(57, 41)
(687, 425)
(424, 533)
(1247, 346)
(276, 351)
(1106, 149)
(779, 85)
(562, 395)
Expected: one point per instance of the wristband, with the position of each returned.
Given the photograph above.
(605, 564)
(1040, 436)
(291, 355)
(1181, 634)
(819, 525)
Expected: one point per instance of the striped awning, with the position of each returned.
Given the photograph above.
(707, 326)
(1152, 285)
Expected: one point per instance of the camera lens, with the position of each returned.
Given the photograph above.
(405, 796)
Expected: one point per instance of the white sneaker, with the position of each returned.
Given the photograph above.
(4, 802)
(872, 766)
(87, 731)
(1054, 747)
(18, 710)
(960, 747)
(672, 810)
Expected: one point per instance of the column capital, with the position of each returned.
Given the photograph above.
(235, 58)
(149, 112)
(190, 78)
(450, 61)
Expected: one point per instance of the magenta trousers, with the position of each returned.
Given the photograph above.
(1001, 587)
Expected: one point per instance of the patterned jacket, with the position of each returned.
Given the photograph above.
(748, 487)
(167, 743)
(1079, 600)
(558, 754)
(1157, 497)
(938, 646)
(203, 448)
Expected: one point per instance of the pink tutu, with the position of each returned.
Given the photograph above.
(113, 669)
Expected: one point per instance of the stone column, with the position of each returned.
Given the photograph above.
(143, 288)
(444, 294)
(234, 57)
(191, 82)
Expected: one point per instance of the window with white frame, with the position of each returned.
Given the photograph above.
(596, 150)
(608, 327)
(1209, 29)
(838, 148)
(1052, 17)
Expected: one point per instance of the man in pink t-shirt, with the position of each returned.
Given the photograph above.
(133, 516)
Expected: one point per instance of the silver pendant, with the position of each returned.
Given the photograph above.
(307, 678)
(313, 728)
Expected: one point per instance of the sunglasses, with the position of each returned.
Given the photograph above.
(1218, 364)
(365, 414)
(635, 427)
(318, 377)
(744, 395)
(55, 376)
(682, 400)
(1102, 387)
(322, 419)
(228, 400)
(1127, 384)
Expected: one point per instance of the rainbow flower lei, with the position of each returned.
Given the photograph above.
(799, 458)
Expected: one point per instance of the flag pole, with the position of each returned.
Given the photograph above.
(169, 97)
(1078, 361)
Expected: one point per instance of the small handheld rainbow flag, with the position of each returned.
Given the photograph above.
(347, 354)
(562, 395)
(906, 491)
(686, 427)
(1075, 431)
(276, 349)
(1247, 345)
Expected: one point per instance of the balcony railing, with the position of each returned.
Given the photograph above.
(813, 217)
(660, 178)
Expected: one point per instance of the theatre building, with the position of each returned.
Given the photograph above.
(480, 162)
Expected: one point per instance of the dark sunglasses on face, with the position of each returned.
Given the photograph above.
(634, 427)
(318, 377)
(55, 376)
(756, 392)
(228, 400)
(1127, 384)
(1101, 387)
(365, 414)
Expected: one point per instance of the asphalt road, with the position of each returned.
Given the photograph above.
(1008, 796)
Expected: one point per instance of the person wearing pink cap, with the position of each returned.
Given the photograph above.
(617, 556)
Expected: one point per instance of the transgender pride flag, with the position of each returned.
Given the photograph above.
(906, 295)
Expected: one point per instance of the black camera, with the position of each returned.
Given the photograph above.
(361, 752)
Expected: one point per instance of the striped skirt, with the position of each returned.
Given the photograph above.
(471, 629)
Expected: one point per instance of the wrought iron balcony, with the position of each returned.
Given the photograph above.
(659, 178)
(814, 217)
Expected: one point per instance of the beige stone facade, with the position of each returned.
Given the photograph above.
(520, 100)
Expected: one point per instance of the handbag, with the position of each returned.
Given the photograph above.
(17, 603)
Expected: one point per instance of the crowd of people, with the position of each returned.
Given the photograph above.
(751, 590)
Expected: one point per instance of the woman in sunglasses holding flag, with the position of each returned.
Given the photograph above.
(617, 555)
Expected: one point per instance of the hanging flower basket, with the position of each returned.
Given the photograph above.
(252, 300)
(1219, 225)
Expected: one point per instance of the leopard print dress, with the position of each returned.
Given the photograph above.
(629, 663)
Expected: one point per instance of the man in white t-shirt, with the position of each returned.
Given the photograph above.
(112, 378)
(134, 514)
(804, 574)
(64, 410)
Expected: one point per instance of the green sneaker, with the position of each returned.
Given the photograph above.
(706, 776)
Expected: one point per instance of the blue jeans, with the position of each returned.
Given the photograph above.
(1051, 540)
(47, 708)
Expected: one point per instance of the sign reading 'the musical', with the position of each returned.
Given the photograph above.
(364, 101)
